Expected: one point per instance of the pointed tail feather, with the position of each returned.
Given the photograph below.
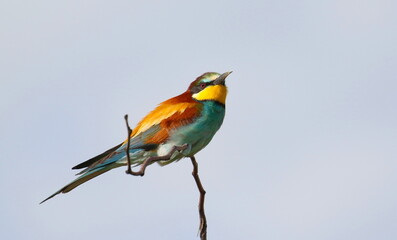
(101, 164)
(82, 179)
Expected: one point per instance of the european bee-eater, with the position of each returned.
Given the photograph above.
(179, 127)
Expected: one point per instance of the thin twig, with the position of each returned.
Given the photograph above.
(203, 219)
(127, 150)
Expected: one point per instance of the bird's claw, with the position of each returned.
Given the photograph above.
(183, 147)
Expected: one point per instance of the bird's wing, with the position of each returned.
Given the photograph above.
(151, 131)
(156, 126)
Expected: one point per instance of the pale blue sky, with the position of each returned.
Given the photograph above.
(308, 149)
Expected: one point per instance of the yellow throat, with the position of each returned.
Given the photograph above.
(215, 93)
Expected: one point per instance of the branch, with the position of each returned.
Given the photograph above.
(203, 219)
(127, 150)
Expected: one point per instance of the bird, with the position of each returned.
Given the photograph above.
(177, 128)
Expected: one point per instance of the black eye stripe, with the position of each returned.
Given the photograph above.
(199, 87)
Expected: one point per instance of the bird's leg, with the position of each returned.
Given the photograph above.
(203, 219)
(153, 159)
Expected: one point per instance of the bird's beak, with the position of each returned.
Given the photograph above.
(221, 79)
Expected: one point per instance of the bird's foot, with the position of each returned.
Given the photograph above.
(182, 147)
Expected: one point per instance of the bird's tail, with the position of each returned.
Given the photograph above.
(83, 178)
(102, 163)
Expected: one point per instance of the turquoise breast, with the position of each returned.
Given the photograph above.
(199, 133)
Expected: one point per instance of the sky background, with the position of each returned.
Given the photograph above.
(308, 148)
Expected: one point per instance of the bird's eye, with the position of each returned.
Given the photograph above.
(202, 86)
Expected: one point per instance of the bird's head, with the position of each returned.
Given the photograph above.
(210, 87)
